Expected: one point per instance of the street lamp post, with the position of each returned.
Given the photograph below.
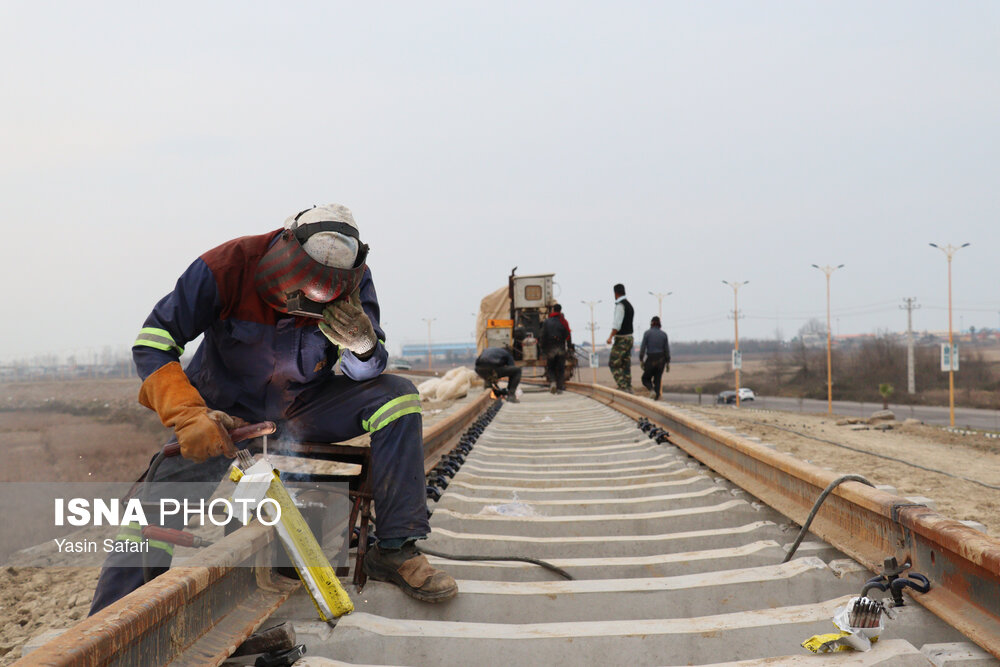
(430, 362)
(736, 331)
(659, 299)
(828, 270)
(949, 252)
(593, 327)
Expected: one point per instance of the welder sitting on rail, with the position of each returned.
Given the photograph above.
(495, 363)
(259, 362)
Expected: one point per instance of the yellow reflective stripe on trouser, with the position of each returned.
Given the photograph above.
(391, 411)
(133, 533)
(159, 339)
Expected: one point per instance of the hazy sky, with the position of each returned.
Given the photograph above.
(665, 145)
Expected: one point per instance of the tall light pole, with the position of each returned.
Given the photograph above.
(659, 298)
(430, 363)
(949, 252)
(911, 383)
(736, 332)
(828, 270)
(593, 327)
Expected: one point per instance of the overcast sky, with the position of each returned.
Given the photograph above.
(665, 145)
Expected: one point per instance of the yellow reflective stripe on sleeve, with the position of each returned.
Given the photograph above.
(159, 339)
(404, 405)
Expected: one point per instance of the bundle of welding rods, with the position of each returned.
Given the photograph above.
(245, 459)
(865, 613)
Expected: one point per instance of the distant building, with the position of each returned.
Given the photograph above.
(446, 352)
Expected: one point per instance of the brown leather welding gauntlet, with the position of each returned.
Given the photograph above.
(202, 433)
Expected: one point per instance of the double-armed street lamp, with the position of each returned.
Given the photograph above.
(828, 270)
(659, 298)
(949, 252)
(737, 362)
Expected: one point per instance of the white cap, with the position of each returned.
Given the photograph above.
(328, 248)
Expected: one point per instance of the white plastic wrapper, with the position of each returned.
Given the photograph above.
(514, 508)
(428, 389)
(860, 639)
(510, 509)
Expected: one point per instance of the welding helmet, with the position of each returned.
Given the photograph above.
(317, 259)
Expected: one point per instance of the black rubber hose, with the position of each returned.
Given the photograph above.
(147, 570)
(819, 501)
(523, 559)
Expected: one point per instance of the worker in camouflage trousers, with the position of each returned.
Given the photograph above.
(278, 311)
(621, 341)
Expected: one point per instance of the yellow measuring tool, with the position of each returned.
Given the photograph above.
(312, 565)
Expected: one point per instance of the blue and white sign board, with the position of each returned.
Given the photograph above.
(949, 357)
(593, 360)
(737, 360)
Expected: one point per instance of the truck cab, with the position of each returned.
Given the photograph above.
(531, 299)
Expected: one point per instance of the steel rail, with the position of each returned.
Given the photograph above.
(198, 614)
(867, 524)
(191, 614)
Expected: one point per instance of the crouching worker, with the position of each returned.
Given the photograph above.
(260, 362)
(495, 363)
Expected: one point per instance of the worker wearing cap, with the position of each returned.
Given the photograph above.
(260, 362)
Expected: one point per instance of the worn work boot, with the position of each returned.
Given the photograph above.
(408, 568)
(553, 387)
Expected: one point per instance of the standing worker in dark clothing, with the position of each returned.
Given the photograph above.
(621, 341)
(555, 342)
(654, 357)
(558, 313)
(495, 363)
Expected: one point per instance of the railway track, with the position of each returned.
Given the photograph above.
(676, 560)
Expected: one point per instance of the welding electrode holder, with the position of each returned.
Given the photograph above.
(275, 639)
(173, 448)
(890, 580)
(281, 658)
(237, 435)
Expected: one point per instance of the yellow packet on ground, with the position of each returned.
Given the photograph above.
(827, 643)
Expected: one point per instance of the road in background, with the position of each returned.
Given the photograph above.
(971, 418)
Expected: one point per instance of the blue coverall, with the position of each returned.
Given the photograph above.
(260, 364)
